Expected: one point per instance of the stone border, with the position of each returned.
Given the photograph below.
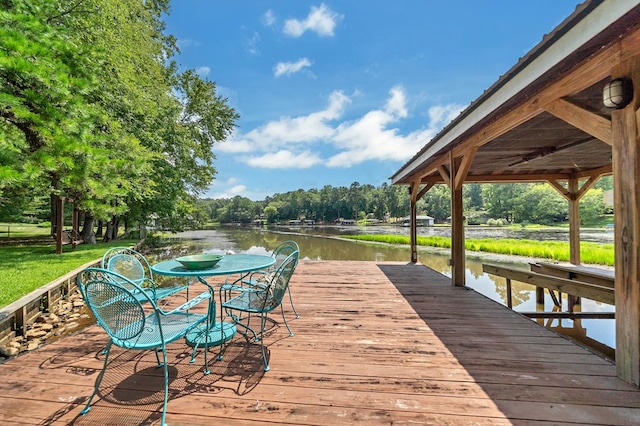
(16, 317)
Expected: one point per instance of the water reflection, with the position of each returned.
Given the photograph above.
(321, 243)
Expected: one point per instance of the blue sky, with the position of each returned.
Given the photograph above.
(336, 92)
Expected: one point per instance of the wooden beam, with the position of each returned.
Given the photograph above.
(59, 223)
(574, 222)
(561, 189)
(446, 176)
(593, 124)
(570, 315)
(599, 172)
(424, 190)
(585, 186)
(413, 226)
(457, 226)
(626, 189)
(576, 288)
(462, 171)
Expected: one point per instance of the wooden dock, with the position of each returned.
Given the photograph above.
(375, 344)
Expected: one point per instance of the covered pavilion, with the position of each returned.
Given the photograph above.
(567, 113)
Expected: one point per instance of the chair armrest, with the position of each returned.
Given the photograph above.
(259, 279)
(190, 303)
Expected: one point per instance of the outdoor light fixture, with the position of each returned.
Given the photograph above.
(617, 93)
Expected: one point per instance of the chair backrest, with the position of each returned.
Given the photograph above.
(128, 263)
(279, 283)
(100, 274)
(284, 250)
(115, 308)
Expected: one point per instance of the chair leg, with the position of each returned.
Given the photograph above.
(285, 320)
(158, 358)
(105, 351)
(263, 324)
(237, 321)
(291, 300)
(166, 387)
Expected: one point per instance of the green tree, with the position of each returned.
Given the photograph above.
(591, 206)
(49, 125)
(271, 213)
(93, 109)
(541, 204)
(498, 199)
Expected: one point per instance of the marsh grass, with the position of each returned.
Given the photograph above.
(590, 253)
(28, 267)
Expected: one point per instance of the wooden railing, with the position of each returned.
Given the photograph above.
(578, 282)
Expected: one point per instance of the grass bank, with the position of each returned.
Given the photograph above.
(592, 253)
(29, 267)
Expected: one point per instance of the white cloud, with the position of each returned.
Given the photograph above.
(285, 159)
(325, 137)
(203, 71)
(372, 137)
(232, 145)
(252, 44)
(304, 129)
(288, 68)
(231, 192)
(269, 18)
(321, 20)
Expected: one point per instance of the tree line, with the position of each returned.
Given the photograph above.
(522, 203)
(94, 109)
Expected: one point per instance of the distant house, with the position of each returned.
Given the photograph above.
(420, 221)
(341, 221)
(294, 222)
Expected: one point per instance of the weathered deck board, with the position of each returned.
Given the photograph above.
(385, 343)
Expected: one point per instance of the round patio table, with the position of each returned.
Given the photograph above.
(218, 332)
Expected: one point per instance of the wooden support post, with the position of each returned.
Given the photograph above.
(457, 227)
(540, 295)
(509, 294)
(74, 226)
(413, 230)
(574, 222)
(59, 223)
(574, 233)
(626, 187)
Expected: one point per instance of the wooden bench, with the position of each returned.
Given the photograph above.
(563, 281)
(586, 274)
(68, 238)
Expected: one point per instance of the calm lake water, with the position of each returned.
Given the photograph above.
(323, 243)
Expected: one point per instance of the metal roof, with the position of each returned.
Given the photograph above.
(544, 117)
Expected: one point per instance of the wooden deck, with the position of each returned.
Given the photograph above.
(376, 343)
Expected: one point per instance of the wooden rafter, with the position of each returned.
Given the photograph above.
(462, 171)
(444, 172)
(593, 124)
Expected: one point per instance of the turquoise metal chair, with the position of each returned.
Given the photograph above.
(261, 299)
(116, 304)
(135, 267)
(280, 253)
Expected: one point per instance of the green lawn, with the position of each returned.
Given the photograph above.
(28, 267)
(21, 230)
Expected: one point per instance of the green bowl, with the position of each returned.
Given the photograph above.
(199, 261)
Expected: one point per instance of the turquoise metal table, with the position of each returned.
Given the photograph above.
(222, 331)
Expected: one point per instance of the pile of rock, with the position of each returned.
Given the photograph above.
(65, 317)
